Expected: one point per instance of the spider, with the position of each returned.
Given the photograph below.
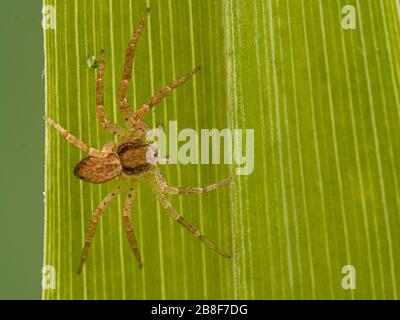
(127, 160)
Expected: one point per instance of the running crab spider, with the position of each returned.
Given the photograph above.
(127, 160)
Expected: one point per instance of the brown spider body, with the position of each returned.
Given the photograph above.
(132, 154)
(99, 170)
(128, 160)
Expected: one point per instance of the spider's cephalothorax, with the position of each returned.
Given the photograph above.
(128, 160)
(133, 156)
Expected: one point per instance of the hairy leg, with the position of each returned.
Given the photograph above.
(162, 94)
(103, 205)
(126, 221)
(163, 185)
(109, 147)
(125, 109)
(183, 222)
(100, 110)
(75, 141)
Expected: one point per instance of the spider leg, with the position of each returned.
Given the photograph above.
(183, 222)
(162, 94)
(103, 205)
(109, 147)
(126, 221)
(100, 110)
(75, 141)
(126, 110)
(163, 185)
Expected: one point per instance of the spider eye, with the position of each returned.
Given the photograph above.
(98, 170)
(152, 154)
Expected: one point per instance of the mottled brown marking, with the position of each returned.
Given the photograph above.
(132, 155)
(99, 170)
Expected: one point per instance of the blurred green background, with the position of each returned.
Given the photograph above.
(22, 143)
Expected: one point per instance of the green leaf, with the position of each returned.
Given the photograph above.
(324, 105)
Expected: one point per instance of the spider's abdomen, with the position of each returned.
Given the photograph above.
(132, 155)
(98, 170)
